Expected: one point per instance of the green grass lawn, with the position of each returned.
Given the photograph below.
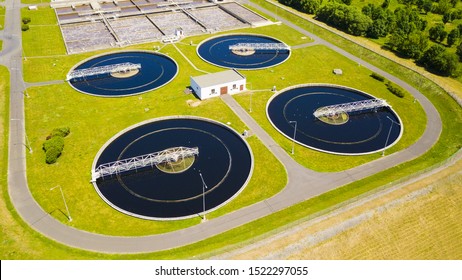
(43, 25)
(94, 120)
(45, 15)
(35, 1)
(2, 17)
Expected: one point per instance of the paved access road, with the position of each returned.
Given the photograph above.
(302, 183)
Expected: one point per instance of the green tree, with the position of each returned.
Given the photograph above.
(454, 2)
(382, 21)
(385, 4)
(410, 45)
(296, 4)
(437, 33)
(447, 17)
(378, 28)
(453, 37)
(427, 5)
(347, 18)
(437, 59)
(442, 7)
(310, 6)
(408, 20)
(459, 51)
(306, 6)
(26, 20)
(357, 23)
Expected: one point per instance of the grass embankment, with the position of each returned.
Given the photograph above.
(424, 228)
(417, 221)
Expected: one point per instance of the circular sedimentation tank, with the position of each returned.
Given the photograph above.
(182, 188)
(155, 71)
(345, 133)
(217, 51)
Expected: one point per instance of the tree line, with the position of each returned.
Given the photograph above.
(404, 28)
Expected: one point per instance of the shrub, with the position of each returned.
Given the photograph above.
(25, 27)
(52, 155)
(56, 142)
(378, 77)
(25, 20)
(62, 131)
(395, 90)
(459, 51)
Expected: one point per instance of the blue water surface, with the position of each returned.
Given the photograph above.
(224, 161)
(156, 70)
(365, 132)
(216, 51)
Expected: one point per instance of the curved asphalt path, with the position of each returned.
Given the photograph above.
(302, 183)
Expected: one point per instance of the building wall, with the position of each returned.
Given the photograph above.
(214, 91)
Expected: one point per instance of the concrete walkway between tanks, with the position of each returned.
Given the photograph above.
(302, 184)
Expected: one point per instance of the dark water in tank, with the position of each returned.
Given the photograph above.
(224, 162)
(216, 51)
(365, 132)
(156, 70)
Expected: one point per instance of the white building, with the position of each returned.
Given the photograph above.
(212, 85)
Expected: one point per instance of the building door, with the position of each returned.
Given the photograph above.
(241, 88)
(223, 90)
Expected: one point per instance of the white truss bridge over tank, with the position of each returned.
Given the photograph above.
(259, 46)
(134, 163)
(93, 71)
(362, 105)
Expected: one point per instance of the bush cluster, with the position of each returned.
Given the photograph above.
(378, 77)
(395, 90)
(54, 144)
(25, 20)
(62, 131)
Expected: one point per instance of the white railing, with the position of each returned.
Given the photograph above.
(259, 46)
(93, 71)
(134, 163)
(350, 107)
